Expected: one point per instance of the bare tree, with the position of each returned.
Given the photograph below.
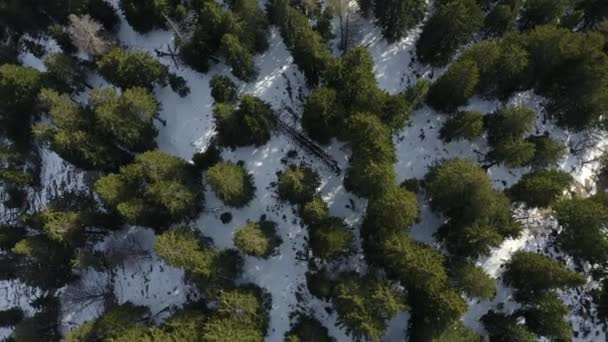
(80, 295)
(88, 35)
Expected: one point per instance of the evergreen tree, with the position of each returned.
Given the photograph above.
(241, 314)
(223, 90)
(453, 24)
(330, 238)
(39, 261)
(308, 329)
(541, 188)
(314, 211)
(534, 274)
(43, 325)
(502, 18)
(322, 116)
(128, 69)
(238, 57)
(111, 325)
(473, 280)
(541, 12)
(145, 15)
(155, 190)
(64, 74)
(257, 239)
(463, 125)
(457, 332)
(583, 222)
(509, 123)
(393, 210)
(454, 87)
(396, 17)
(503, 328)
(19, 87)
(298, 184)
(185, 249)
(365, 306)
(545, 317)
(10, 317)
(231, 183)
(547, 151)
(250, 123)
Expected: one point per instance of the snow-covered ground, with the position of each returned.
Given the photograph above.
(145, 280)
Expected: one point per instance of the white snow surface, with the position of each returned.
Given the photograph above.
(146, 280)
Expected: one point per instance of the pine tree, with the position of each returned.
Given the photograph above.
(184, 248)
(452, 25)
(545, 317)
(238, 57)
(250, 123)
(314, 211)
(128, 69)
(393, 210)
(454, 87)
(308, 329)
(541, 12)
(322, 116)
(364, 306)
(330, 238)
(231, 184)
(547, 151)
(463, 125)
(145, 16)
(534, 274)
(473, 280)
(257, 239)
(298, 184)
(541, 188)
(64, 73)
(396, 17)
(503, 328)
(223, 90)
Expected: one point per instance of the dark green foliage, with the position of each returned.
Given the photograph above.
(365, 305)
(319, 284)
(103, 12)
(10, 235)
(314, 211)
(127, 69)
(330, 238)
(116, 321)
(19, 87)
(600, 299)
(43, 325)
(463, 125)
(502, 18)
(11, 317)
(234, 35)
(547, 152)
(231, 183)
(155, 190)
(298, 184)
(541, 12)
(453, 88)
(506, 129)
(472, 280)
(257, 239)
(503, 328)
(307, 46)
(371, 170)
(457, 332)
(435, 305)
(545, 317)
(241, 315)
(223, 90)
(96, 136)
(396, 17)
(453, 24)
(250, 123)
(64, 73)
(185, 248)
(541, 188)
(144, 15)
(308, 329)
(204, 160)
(322, 116)
(480, 216)
(392, 210)
(584, 222)
(534, 274)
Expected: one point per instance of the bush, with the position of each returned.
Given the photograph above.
(541, 188)
(473, 280)
(314, 211)
(231, 183)
(257, 239)
(463, 125)
(534, 274)
(331, 238)
(298, 184)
